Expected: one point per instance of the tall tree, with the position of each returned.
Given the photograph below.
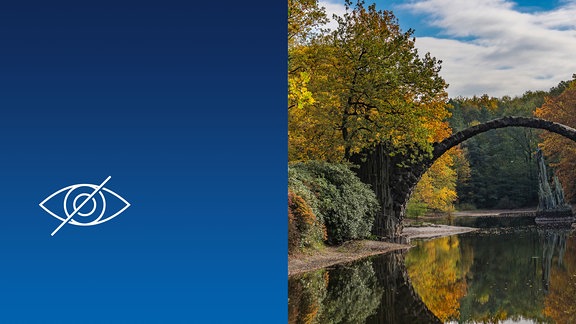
(369, 91)
(305, 19)
(369, 86)
(561, 151)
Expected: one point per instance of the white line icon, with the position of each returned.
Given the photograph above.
(79, 202)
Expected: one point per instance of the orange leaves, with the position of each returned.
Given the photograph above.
(435, 121)
(303, 227)
(561, 151)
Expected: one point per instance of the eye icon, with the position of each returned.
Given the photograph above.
(84, 205)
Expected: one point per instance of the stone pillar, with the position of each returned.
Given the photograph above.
(393, 179)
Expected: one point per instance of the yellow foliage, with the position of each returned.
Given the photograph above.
(437, 188)
(343, 97)
(438, 275)
(298, 94)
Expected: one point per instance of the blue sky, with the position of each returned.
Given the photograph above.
(494, 47)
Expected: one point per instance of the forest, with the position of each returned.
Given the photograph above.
(497, 169)
(364, 84)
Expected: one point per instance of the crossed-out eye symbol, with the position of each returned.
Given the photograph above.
(81, 200)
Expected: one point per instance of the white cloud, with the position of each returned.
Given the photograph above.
(491, 47)
(332, 8)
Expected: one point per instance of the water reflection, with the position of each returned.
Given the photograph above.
(375, 290)
(553, 243)
(499, 272)
(527, 274)
(438, 270)
(560, 279)
(491, 277)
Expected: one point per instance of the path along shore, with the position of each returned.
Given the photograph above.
(354, 250)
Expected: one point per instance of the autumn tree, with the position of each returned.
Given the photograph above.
(369, 86)
(437, 189)
(305, 19)
(362, 86)
(561, 152)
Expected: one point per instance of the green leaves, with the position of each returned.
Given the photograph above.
(503, 171)
(345, 205)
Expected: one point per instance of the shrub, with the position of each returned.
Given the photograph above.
(344, 204)
(293, 232)
(304, 230)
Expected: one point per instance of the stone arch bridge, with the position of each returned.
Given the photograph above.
(394, 178)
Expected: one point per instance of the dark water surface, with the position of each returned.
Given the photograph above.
(520, 274)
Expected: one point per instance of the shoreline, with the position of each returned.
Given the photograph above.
(434, 231)
(354, 250)
(331, 255)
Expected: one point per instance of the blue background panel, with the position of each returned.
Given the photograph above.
(183, 104)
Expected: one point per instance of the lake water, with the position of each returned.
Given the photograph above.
(514, 274)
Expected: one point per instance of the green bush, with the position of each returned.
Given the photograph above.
(344, 204)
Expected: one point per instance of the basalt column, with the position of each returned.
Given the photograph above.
(551, 205)
(393, 179)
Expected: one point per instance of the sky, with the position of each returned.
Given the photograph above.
(494, 47)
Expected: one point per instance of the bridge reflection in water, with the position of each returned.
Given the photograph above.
(525, 273)
(374, 290)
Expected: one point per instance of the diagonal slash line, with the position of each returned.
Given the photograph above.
(81, 205)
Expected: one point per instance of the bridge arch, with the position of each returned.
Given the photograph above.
(442, 147)
(394, 181)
